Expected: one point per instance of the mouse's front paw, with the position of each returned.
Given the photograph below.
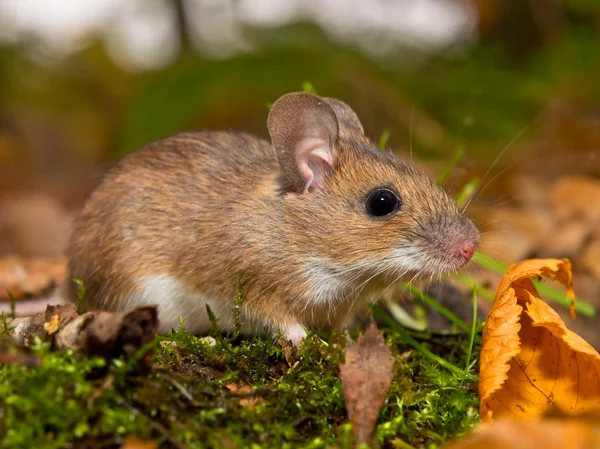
(294, 333)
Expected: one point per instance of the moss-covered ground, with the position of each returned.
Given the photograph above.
(183, 396)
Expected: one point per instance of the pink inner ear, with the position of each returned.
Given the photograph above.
(314, 159)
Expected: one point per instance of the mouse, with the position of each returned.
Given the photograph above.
(311, 225)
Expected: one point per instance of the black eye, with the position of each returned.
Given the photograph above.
(382, 202)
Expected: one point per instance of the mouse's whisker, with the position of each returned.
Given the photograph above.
(504, 150)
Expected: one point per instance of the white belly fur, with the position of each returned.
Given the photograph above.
(175, 300)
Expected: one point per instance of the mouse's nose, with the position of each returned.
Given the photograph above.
(466, 249)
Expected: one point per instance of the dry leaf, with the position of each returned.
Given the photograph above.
(287, 349)
(95, 333)
(366, 377)
(249, 401)
(516, 232)
(52, 326)
(530, 361)
(577, 196)
(33, 224)
(137, 443)
(30, 277)
(566, 238)
(532, 434)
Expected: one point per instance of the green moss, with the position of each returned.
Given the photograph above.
(5, 328)
(183, 398)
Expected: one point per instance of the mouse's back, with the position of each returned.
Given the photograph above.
(162, 206)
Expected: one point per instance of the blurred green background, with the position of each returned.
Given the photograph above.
(83, 83)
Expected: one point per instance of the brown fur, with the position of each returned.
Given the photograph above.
(207, 208)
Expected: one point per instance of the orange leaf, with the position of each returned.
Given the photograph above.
(251, 401)
(52, 325)
(134, 442)
(530, 361)
(531, 434)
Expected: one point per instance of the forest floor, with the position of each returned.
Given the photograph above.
(184, 391)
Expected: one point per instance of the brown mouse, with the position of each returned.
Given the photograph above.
(311, 225)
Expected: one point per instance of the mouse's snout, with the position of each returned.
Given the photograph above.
(466, 249)
(453, 240)
(462, 239)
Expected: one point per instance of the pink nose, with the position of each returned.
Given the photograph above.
(467, 249)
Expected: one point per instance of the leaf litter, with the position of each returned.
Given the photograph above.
(366, 377)
(523, 342)
(530, 362)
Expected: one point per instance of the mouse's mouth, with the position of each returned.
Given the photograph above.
(444, 247)
(418, 262)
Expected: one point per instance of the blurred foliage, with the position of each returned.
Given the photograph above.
(86, 109)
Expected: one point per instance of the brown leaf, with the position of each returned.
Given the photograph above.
(531, 434)
(577, 196)
(95, 333)
(515, 232)
(33, 224)
(133, 442)
(566, 238)
(530, 362)
(65, 313)
(366, 377)
(30, 277)
(249, 401)
(287, 350)
(26, 330)
(111, 335)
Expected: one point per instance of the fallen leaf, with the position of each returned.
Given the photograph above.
(366, 377)
(251, 401)
(96, 333)
(566, 238)
(577, 196)
(530, 362)
(287, 349)
(531, 434)
(30, 277)
(137, 443)
(26, 330)
(33, 224)
(52, 325)
(516, 232)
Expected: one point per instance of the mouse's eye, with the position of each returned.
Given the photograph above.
(382, 202)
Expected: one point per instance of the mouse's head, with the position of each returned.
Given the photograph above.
(360, 211)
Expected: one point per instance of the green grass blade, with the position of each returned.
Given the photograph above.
(418, 346)
(469, 283)
(308, 87)
(13, 304)
(447, 313)
(451, 165)
(473, 329)
(383, 139)
(465, 193)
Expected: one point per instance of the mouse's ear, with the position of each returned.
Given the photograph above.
(303, 129)
(347, 118)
